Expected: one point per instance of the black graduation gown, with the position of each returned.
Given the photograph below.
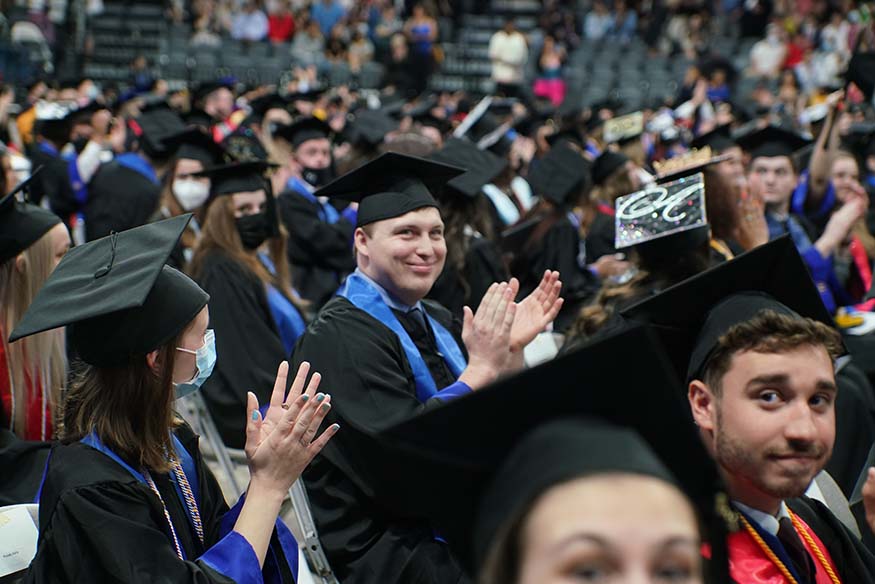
(21, 468)
(855, 427)
(248, 346)
(854, 562)
(320, 253)
(119, 198)
(600, 238)
(53, 182)
(365, 534)
(483, 266)
(558, 250)
(100, 524)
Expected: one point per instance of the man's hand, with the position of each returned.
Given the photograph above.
(611, 265)
(536, 311)
(487, 335)
(840, 224)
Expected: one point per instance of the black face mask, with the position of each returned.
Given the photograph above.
(253, 230)
(79, 144)
(318, 177)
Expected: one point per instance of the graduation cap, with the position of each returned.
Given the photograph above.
(482, 166)
(687, 164)
(606, 164)
(719, 139)
(52, 116)
(560, 173)
(236, 177)
(21, 223)
(82, 115)
(369, 127)
(570, 133)
(116, 296)
(244, 146)
(303, 129)
(153, 128)
(193, 143)
(861, 72)
(470, 478)
(623, 129)
(203, 89)
(772, 141)
(694, 314)
(391, 185)
(663, 219)
(261, 105)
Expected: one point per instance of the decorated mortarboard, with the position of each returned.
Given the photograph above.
(236, 177)
(21, 223)
(195, 144)
(686, 164)
(54, 112)
(116, 296)
(470, 479)
(481, 165)
(606, 164)
(153, 128)
(719, 139)
(772, 141)
(369, 127)
(623, 128)
(560, 174)
(203, 89)
(243, 145)
(303, 129)
(391, 185)
(666, 216)
(694, 314)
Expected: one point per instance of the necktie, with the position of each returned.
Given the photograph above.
(796, 550)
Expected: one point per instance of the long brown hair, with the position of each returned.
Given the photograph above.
(38, 361)
(129, 407)
(616, 185)
(219, 234)
(460, 214)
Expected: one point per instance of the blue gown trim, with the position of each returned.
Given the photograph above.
(138, 164)
(365, 297)
(286, 316)
(327, 213)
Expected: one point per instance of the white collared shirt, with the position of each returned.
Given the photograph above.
(766, 521)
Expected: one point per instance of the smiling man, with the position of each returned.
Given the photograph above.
(387, 354)
(762, 390)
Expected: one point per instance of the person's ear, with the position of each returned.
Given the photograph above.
(20, 263)
(361, 242)
(153, 360)
(703, 404)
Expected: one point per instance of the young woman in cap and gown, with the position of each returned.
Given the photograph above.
(127, 496)
(256, 313)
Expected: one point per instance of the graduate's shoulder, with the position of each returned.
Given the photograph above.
(341, 323)
(217, 264)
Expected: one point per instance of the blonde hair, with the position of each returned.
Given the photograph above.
(38, 362)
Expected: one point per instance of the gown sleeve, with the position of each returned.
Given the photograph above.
(313, 241)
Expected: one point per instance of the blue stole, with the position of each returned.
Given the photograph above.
(138, 164)
(47, 148)
(289, 321)
(327, 213)
(185, 460)
(364, 296)
(774, 544)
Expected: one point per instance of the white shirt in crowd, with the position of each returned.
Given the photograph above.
(509, 53)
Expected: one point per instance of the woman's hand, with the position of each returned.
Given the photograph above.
(536, 311)
(281, 445)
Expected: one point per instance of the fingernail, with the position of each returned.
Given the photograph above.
(326, 407)
(254, 415)
(335, 427)
(320, 397)
(305, 397)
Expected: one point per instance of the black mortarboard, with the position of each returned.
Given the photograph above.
(697, 312)
(204, 88)
(772, 141)
(154, 128)
(261, 105)
(687, 164)
(560, 173)
(861, 71)
(116, 296)
(193, 143)
(310, 95)
(21, 223)
(719, 139)
(481, 165)
(471, 478)
(391, 185)
(237, 177)
(52, 115)
(369, 127)
(299, 131)
(82, 115)
(605, 165)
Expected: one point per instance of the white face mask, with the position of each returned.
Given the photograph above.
(191, 194)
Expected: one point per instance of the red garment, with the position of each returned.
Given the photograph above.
(37, 409)
(864, 272)
(280, 28)
(748, 563)
(795, 54)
